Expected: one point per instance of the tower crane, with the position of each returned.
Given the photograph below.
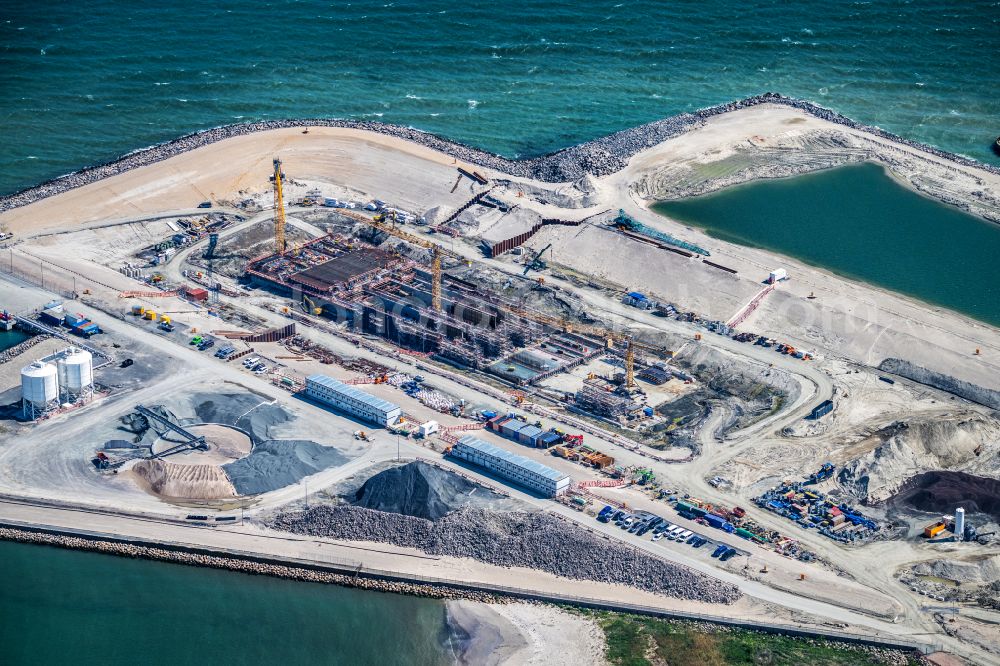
(279, 209)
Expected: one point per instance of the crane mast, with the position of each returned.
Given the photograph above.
(279, 209)
(630, 364)
(436, 279)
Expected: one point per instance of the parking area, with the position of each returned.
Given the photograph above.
(659, 529)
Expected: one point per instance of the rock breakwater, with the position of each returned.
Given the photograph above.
(600, 157)
(247, 566)
(515, 539)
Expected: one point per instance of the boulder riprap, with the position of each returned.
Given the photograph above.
(513, 539)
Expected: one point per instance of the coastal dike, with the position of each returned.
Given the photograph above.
(600, 157)
(361, 578)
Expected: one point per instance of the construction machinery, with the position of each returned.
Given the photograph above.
(279, 208)
(310, 306)
(191, 441)
(536, 263)
(824, 473)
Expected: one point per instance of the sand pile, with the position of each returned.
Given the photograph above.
(420, 490)
(280, 462)
(225, 445)
(966, 440)
(174, 481)
(513, 539)
(981, 571)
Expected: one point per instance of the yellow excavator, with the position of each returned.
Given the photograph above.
(310, 306)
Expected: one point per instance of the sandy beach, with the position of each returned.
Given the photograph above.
(522, 634)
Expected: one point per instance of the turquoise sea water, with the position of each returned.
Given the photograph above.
(11, 338)
(68, 607)
(85, 82)
(859, 222)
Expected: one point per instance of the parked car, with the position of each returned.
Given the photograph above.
(126, 363)
(720, 550)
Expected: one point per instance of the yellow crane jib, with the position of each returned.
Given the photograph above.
(279, 209)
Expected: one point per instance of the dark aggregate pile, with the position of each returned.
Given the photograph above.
(934, 491)
(252, 413)
(420, 490)
(515, 539)
(278, 463)
(598, 158)
(947, 383)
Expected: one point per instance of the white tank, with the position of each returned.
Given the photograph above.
(39, 383)
(76, 370)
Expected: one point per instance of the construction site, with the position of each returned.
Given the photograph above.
(518, 368)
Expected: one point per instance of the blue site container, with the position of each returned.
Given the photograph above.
(547, 440)
(822, 409)
(637, 296)
(52, 317)
(512, 427)
(529, 435)
(714, 520)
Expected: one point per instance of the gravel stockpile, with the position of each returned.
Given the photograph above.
(420, 490)
(516, 539)
(277, 463)
(598, 158)
(932, 490)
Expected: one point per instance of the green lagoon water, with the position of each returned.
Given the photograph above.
(70, 607)
(858, 222)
